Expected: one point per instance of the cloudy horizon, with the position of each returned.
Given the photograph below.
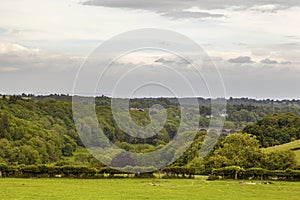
(255, 44)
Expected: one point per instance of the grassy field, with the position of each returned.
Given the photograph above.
(143, 189)
(294, 146)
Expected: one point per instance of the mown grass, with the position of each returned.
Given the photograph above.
(143, 189)
(294, 146)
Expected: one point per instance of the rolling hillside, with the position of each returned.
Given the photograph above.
(294, 146)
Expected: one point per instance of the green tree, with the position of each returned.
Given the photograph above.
(6, 150)
(275, 129)
(280, 160)
(237, 150)
(28, 155)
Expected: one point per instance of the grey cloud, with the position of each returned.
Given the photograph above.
(240, 44)
(160, 6)
(186, 14)
(290, 44)
(163, 61)
(176, 9)
(292, 37)
(164, 6)
(286, 62)
(176, 61)
(241, 60)
(267, 8)
(268, 61)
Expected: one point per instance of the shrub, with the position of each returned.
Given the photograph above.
(176, 171)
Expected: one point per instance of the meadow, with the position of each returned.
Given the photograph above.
(60, 188)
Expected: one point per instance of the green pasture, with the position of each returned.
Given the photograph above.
(60, 188)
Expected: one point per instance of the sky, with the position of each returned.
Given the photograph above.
(254, 45)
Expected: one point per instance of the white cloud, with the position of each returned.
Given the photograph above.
(10, 48)
(15, 57)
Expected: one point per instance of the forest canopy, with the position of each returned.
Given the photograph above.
(40, 130)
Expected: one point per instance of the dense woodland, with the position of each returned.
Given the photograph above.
(37, 130)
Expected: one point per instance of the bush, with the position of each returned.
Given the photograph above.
(108, 170)
(144, 175)
(176, 171)
(235, 172)
(255, 173)
(231, 172)
(78, 171)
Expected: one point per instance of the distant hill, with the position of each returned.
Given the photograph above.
(293, 146)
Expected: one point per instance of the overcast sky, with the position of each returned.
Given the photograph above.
(255, 44)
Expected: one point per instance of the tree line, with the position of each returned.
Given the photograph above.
(40, 131)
